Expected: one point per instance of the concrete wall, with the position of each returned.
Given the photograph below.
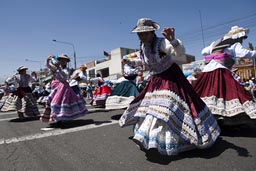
(114, 63)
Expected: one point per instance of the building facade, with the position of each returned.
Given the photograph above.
(245, 68)
(112, 69)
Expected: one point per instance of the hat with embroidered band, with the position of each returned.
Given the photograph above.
(63, 56)
(21, 68)
(237, 32)
(145, 25)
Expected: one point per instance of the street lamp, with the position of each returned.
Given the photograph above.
(54, 40)
(28, 60)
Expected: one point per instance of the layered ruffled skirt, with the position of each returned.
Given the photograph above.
(63, 103)
(8, 103)
(225, 96)
(100, 96)
(22, 101)
(122, 95)
(170, 116)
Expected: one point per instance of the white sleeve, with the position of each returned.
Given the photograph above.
(174, 48)
(10, 79)
(207, 50)
(82, 76)
(237, 50)
(74, 73)
(31, 79)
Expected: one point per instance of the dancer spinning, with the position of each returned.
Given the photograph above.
(101, 93)
(25, 102)
(78, 77)
(168, 114)
(63, 103)
(217, 85)
(125, 92)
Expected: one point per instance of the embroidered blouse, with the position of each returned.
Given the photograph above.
(129, 70)
(159, 58)
(22, 80)
(59, 73)
(82, 76)
(235, 50)
(223, 60)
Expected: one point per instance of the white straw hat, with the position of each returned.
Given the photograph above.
(145, 25)
(237, 32)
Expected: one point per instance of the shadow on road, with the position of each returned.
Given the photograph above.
(75, 123)
(239, 131)
(116, 117)
(25, 119)
(98, 110)
(219, 147)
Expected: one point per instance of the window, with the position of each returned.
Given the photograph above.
(92, 73)
(104, 72)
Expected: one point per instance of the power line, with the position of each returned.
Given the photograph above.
(192, 41)
(231, 21)
(221, 29)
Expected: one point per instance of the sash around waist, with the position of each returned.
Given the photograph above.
(217, 56)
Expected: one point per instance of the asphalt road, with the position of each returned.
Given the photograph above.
(97, 143)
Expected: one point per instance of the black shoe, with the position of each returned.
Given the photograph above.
(21, 115)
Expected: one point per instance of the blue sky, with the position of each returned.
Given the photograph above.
(29, 26)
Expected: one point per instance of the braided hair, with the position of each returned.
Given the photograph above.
(152, 45)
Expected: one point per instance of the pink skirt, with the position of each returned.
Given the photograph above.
(63, 103)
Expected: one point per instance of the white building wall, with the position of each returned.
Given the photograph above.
(114, 64)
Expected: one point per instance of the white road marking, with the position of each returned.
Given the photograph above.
(46, 129)
(8, 113)
(7, 119)
(53, 133)
(41, 110)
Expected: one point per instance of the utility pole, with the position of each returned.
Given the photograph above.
(202, 30)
